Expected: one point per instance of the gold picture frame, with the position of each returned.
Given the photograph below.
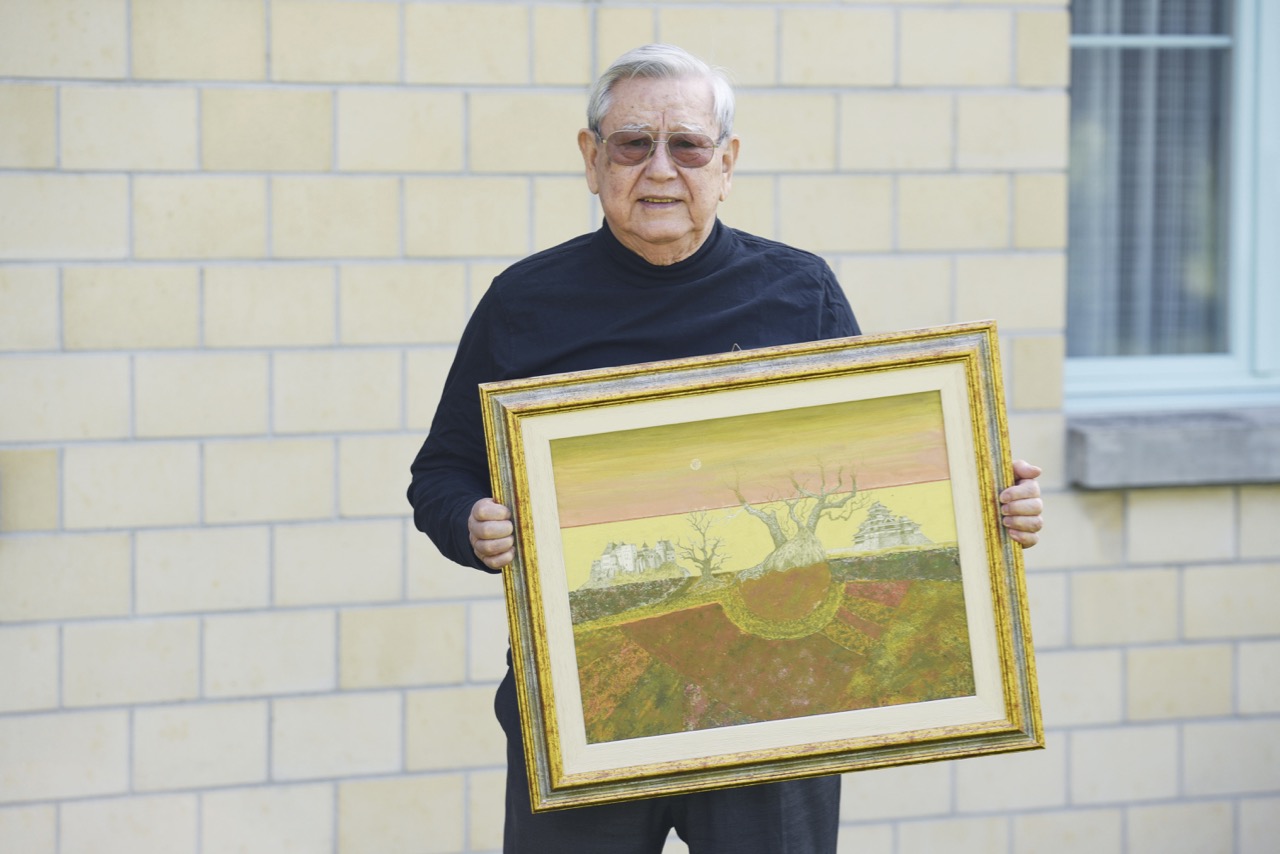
(762, 565)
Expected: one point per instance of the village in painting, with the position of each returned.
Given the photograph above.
(762, 567)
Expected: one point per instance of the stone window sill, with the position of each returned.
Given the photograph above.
(1122, 451)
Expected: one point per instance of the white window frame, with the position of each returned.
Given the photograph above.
(1249, 375)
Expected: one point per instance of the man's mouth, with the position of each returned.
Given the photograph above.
(656, 200)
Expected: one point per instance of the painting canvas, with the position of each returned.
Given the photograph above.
(762, 565)
(833, 555)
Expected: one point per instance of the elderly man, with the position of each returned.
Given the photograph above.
(662, 278)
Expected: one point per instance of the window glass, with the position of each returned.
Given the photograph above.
(1150, 17)
(1150, 120)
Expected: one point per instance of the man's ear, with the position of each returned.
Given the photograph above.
(728, 159)
(589, 145)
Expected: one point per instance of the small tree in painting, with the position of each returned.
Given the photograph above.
(702, 550)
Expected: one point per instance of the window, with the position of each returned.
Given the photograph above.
(1173, 280)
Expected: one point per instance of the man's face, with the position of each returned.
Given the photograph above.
(657, 209)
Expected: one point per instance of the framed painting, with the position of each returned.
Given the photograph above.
(762, 565)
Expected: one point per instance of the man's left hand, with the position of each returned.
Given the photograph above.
(1020, 505)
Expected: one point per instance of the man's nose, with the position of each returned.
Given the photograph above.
(660, 162)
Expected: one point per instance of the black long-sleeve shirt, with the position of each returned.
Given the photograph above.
(593, 303)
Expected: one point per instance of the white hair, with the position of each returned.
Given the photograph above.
(663, 61)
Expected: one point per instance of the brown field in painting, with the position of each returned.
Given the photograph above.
(806, 641)
(789, 595)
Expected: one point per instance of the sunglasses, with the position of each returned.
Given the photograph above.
(632, 147)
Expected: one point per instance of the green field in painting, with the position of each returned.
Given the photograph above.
(690, 655)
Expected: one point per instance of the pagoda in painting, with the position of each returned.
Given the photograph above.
(883, 530)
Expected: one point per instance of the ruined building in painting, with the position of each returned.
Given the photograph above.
(624, 562)
(883, 530)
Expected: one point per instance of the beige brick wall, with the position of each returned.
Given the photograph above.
(238, 243)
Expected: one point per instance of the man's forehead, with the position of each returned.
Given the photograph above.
(659, 103)
(662, 125)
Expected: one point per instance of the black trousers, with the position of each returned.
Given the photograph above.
(794, 817)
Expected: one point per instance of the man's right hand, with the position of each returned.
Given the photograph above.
(492, 534)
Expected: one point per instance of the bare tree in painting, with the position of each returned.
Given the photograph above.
(795, 537)
(703, 551)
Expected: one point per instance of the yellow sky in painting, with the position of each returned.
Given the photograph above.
(746, 538)
(672, 469)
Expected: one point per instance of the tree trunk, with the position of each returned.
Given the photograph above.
(804, 549)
